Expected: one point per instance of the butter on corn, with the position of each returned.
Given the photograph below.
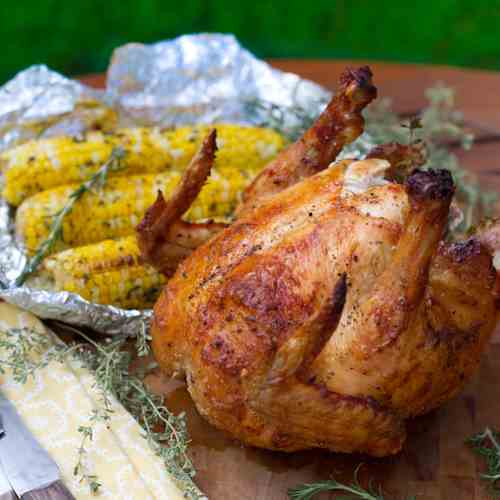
(44, 164)
(109, 272)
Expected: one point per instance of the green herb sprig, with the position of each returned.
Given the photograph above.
(96, 181)
(354, 490)
(27, 351)
(81, 470)
(486, 444)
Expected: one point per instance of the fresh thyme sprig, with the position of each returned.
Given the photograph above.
(81, 469)
(100, 414)
(487, 445)
(354, 490)
(21, 344)
(438, 125)
(55, 233)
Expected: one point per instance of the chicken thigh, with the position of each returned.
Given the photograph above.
(331, 310)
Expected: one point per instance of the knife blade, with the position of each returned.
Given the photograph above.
(29, 469)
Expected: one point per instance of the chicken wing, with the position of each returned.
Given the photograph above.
(340, 124)
(164, 238)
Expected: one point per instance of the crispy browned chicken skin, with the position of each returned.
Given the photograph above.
(331, 310)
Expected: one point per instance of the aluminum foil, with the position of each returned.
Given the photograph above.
(192, 79)
(40, 102)
(200, 79)
(73, 309)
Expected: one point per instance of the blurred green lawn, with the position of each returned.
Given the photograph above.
(78, 36)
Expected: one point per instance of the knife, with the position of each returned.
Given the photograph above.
(28, 468)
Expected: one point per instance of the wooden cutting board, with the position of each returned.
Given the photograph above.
(435, 463)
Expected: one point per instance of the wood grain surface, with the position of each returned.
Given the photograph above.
(435, 463)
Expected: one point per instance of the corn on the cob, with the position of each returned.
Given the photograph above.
(109, 272)
(110, 212)
(118, 207)
(44, 164)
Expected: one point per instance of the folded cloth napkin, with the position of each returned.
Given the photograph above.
(58, 400)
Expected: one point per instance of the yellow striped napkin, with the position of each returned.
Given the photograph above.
(58, 400)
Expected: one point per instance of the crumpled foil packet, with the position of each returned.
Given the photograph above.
(192, 79)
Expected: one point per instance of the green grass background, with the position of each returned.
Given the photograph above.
(77, 36)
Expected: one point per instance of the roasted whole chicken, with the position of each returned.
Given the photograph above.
(332, 309)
